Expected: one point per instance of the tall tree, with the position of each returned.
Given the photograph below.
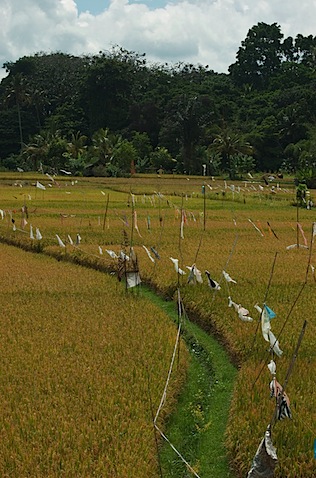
(17, 93)
(306, 50)
(259, 56)
(111, 83)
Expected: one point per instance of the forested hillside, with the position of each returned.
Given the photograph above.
(115, 113)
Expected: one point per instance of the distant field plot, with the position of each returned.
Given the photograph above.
(77, 354)
(251, 230)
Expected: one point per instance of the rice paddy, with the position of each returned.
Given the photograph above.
(77, 355)
(243, 229)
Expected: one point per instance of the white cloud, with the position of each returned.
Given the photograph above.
(200, 31)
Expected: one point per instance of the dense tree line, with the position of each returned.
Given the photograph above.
(114, 113)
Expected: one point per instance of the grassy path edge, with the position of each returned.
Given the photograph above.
(197, 427)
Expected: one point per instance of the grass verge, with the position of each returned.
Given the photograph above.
(197, 427)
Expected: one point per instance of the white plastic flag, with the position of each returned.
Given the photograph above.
(135, 224)
(265, 459)
(31, 232)
(195, 274)
(60, 242)
(296, 246)
(272, 367)
(50, 177)
(198, 275)
(256, 228)
(191, 277)
(132, 255)
(124, 256)
(70, 240)
(38, 234)
(265, 322)
(23, 222)
(40, 186)
(266, 315)
(242, 312)
(148, 254)
(302, 232)
(211, 282)
(243, 315)
(112, 254)
(181, 226)
(133, 279)
(100, 251)
(176, 266)
(228, 278)
(274, 344)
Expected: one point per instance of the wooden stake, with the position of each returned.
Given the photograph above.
(106, 211)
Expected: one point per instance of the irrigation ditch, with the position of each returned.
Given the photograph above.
(197, 427)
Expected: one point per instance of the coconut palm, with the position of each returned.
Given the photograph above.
(229, 145)
(17, 94)
(36, 151)
(103, 145)
(76, 146)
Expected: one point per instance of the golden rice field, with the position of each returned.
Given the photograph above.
(243, 229)
(78, 358)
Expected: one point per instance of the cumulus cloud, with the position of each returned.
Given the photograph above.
(195, 31)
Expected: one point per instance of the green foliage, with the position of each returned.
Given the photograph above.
(259, 56)
(142, 145)
(268, 100)
(198, 424)
(233, 150)
(241, 164)
(214, 160)
(102, 145)
(124, 156)
(76, 165)
(301, 191)
(162, 159)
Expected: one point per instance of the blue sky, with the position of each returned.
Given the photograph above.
(97, 6)
(93, 6)
(202, 32)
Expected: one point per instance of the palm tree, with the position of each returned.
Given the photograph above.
(17, 92)
(38, 99)
(103, 145)
(76, 146)
(228, 145)
(189, 121)
(37, 150)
